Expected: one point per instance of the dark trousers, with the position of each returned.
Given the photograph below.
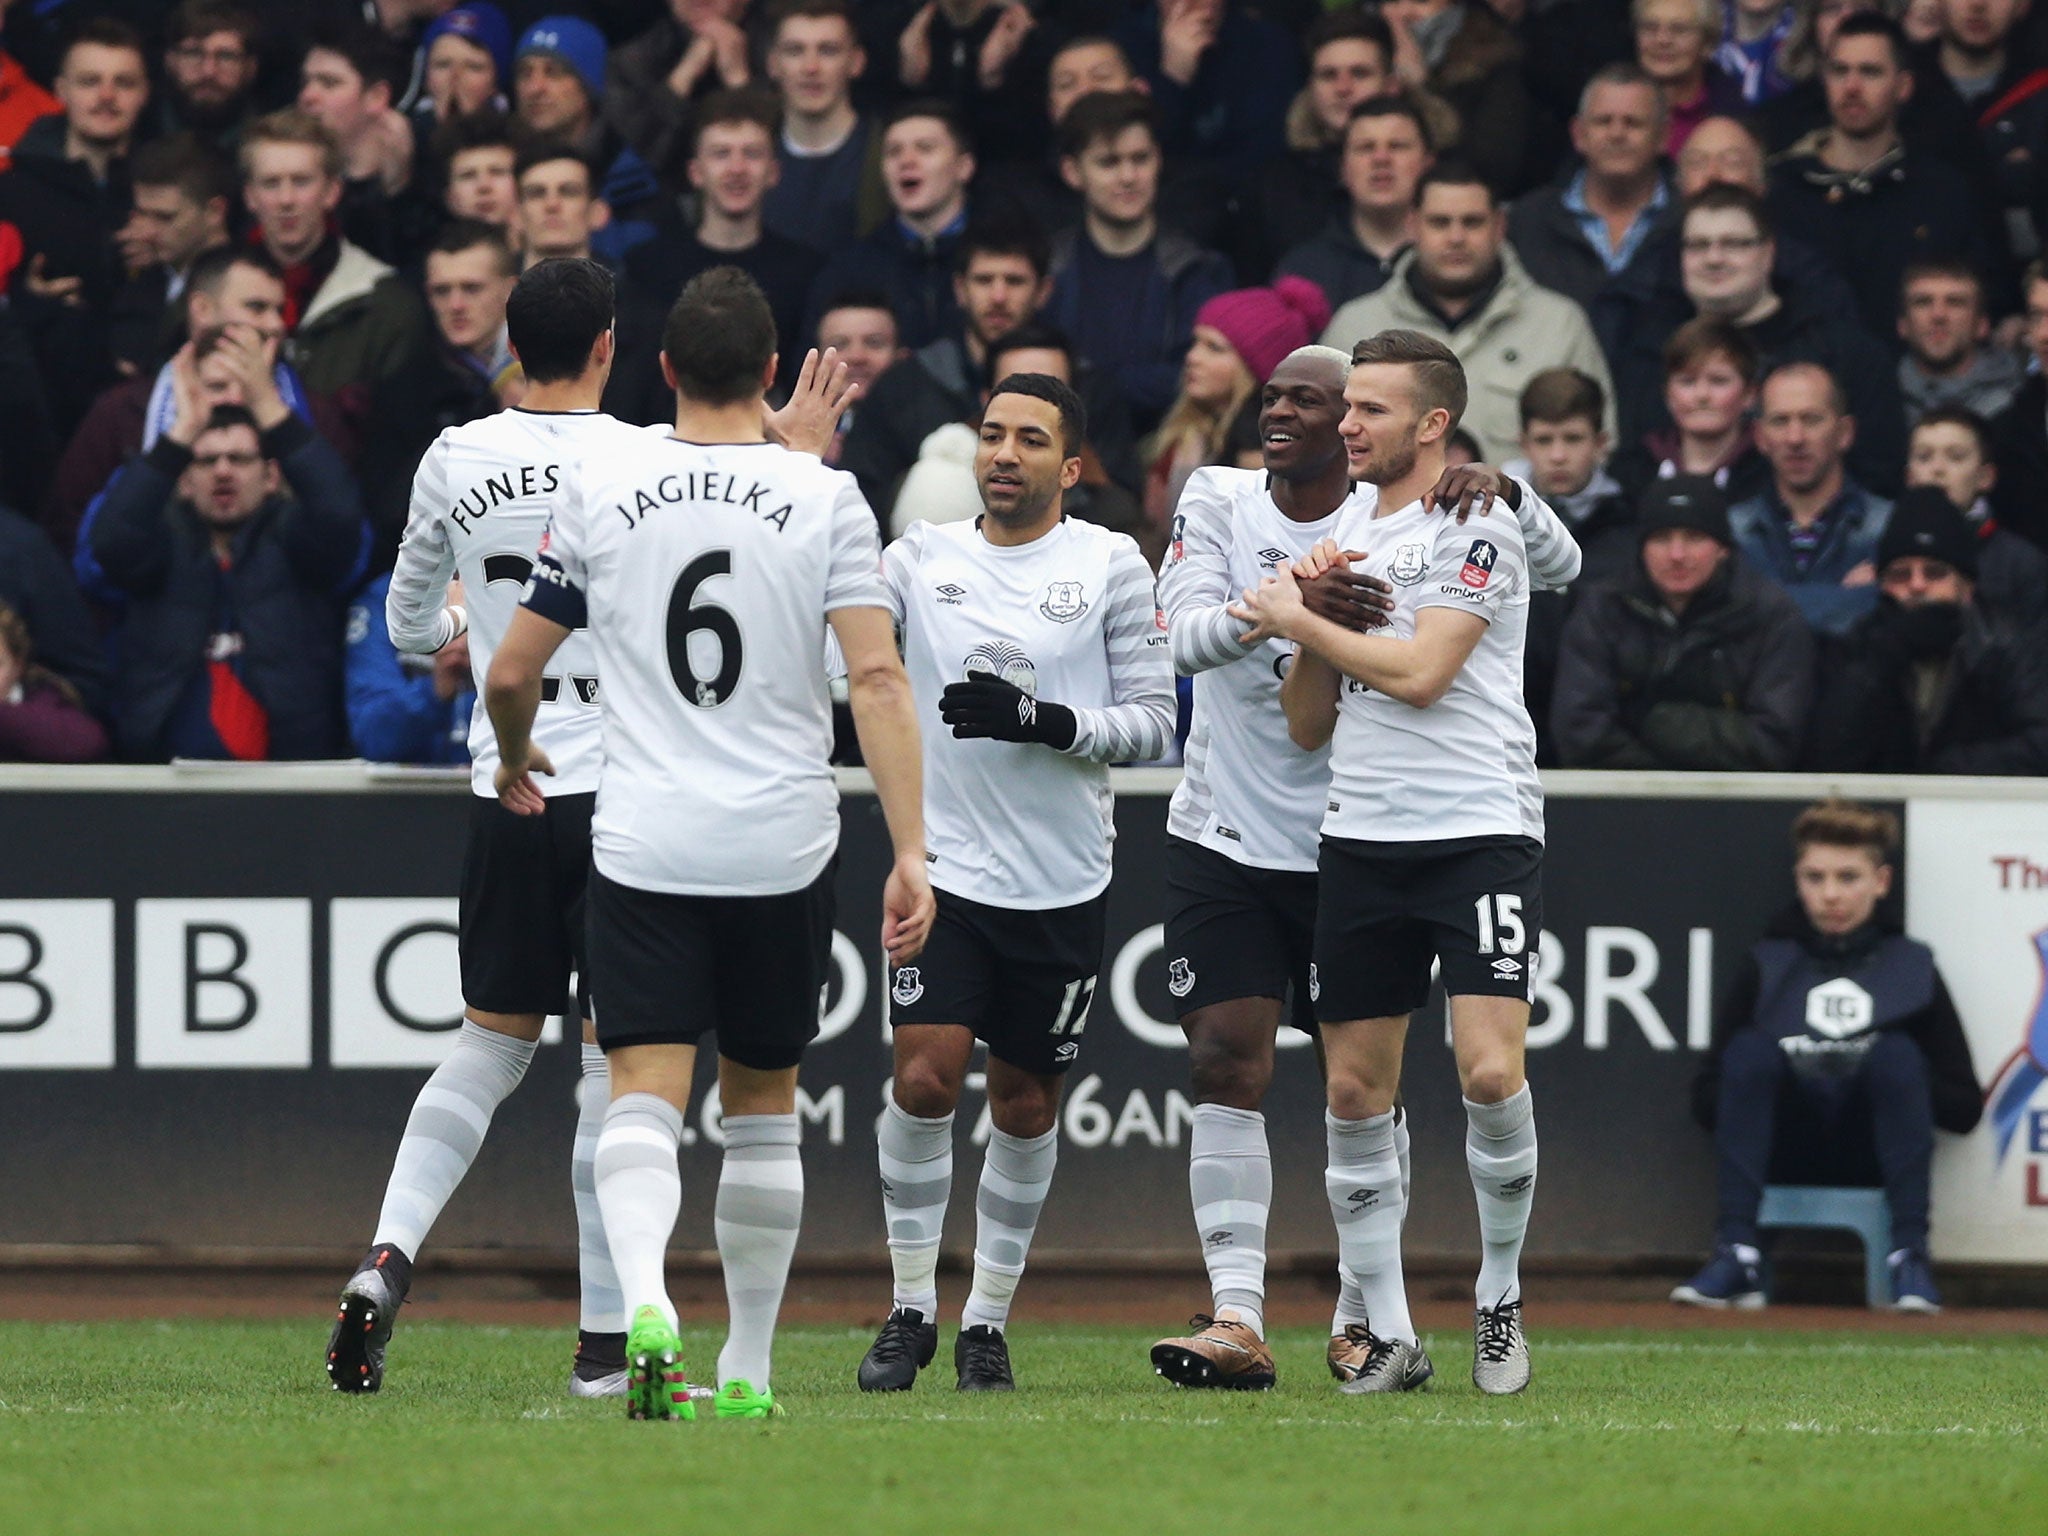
(1870, 1125)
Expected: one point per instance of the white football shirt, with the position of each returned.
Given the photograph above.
(1466, 765)
(480, 501)
(1070, 618)
(707, 571)
(1247, 791)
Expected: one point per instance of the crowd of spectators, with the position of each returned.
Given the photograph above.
(1753, 291)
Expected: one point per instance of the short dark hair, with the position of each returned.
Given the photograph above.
(1057, 393)
(222, 417)
(1563, 394)
(202, 18)
(558, 309)
(1875, 23)
(1941, 266)
(187, 162)
(1391, 106)
(105, 32)
(1707, 336)
(816, 10)
(1452, 171)
(720, 337)
(1032, 335)
(1958, 416)
(943, 112)
(746, 104)
(210, 268)
(1439, 376)
(1004, 237)
(459, 235)
(368, 52)
(1343, 26)
(545, 151)
(857, 298)
(485, 128)
(1721, 196)
(1104, 115)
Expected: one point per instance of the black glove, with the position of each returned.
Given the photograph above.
(987, 707)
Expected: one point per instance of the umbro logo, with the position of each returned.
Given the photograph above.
(950, 594)
(1219, 1237)
(1507, 969)
(1519, 1185)
(1272, 556)
(888, 1188)
(1068, 1051)
(1362, 1199)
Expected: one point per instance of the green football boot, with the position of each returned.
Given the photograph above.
(739, 1400)
(655, 1388)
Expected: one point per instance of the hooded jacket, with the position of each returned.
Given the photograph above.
(1723, 685)
(1856, 522)
(1934, 1026)
(1519, 330)
(361, 326)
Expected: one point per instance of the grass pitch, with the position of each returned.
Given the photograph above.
(169, 1428)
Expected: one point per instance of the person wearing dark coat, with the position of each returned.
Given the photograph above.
(1930, 682)
(1860, 195)
(1223, 97)
(1835, 1057)
(38, 585)
(1696, 661)
(66, 191)
(231, 643)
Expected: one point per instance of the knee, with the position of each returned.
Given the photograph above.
(1490, 1080)
(1224, 1074)
(925, 1089)
(1026, 1111)
(1353, 1097)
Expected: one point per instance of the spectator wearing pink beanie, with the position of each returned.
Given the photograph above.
(1240, 338)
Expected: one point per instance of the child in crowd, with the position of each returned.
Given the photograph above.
(1711, 374)
(1950, 448)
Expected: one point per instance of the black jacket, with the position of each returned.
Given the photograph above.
(1872, 225)
(37, 584)
(916, 273)
(70, 220)
(1991, 707)
(1608, 544)
(2019, 442)
(293, 563)
(433, 392)
(1958, 1101)
(938, 384)
(1725, 685)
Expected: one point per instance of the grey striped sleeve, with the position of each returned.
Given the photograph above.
(1553, 553)
(1138, 725)
(1194, 585)
(414, 607)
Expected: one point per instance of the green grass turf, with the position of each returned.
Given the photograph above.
(169, 1428)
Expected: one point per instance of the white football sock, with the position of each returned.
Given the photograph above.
(1363, 1181)
(760, 1207)
(916, 1156)
(1015, 1176)
(603, 1309)
(446, 1130)
(1500, 1150)
(1230, 1181)
(640, 1191)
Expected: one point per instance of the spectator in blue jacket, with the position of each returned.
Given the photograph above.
(404, 708)
(1814, 529)
(1127, 289)
(231, 642)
